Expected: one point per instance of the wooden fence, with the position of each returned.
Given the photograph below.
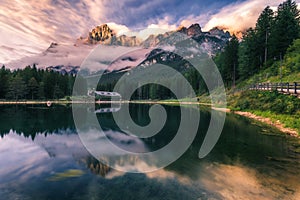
(285, 88)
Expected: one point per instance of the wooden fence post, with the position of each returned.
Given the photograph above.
(285, 88)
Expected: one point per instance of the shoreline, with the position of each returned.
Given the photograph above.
(29, 102)
(106, 102)
(268, 121)
(265, 120)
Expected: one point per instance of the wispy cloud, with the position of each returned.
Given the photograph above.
(28, 27)
(240, 16)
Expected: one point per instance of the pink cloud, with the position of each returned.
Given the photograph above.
(240, 16)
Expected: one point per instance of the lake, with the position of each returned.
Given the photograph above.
(42, 157)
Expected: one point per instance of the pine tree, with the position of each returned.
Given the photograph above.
(49, 84)
(17, 88)
(286, 28)
(33, 87)
(41, 91)
(228, 62)
(249, 57)
(263, 31)
(57, 92)
(4, 77)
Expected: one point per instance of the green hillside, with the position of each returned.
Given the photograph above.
(267, 53)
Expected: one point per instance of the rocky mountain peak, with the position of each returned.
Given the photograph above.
(194, 29)
(101, 33)
(216, 31)
(182, 29)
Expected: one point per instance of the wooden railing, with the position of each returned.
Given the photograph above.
(285, 88)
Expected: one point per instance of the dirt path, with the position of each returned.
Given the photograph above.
(276, 124)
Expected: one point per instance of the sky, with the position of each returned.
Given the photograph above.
(28, 27)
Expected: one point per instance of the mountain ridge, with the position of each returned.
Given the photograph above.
(63, 58)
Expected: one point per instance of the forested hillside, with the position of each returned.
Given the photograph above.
(271, 44)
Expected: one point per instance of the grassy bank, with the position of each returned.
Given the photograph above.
(277, 107)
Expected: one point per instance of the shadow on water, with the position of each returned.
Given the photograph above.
(38, 144)
(35, 119)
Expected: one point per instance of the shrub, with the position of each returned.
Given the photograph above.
(267, 101)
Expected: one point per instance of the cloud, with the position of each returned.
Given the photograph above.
(239, 16)
(192, 19)
(29, 27)
(161, 26)
(118, 28)
(163, 23)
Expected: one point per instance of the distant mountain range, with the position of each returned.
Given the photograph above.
(66, 58)
(216, 38)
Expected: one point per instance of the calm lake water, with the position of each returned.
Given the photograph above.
(42, 157)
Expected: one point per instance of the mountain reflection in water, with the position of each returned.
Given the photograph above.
(39, 143)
